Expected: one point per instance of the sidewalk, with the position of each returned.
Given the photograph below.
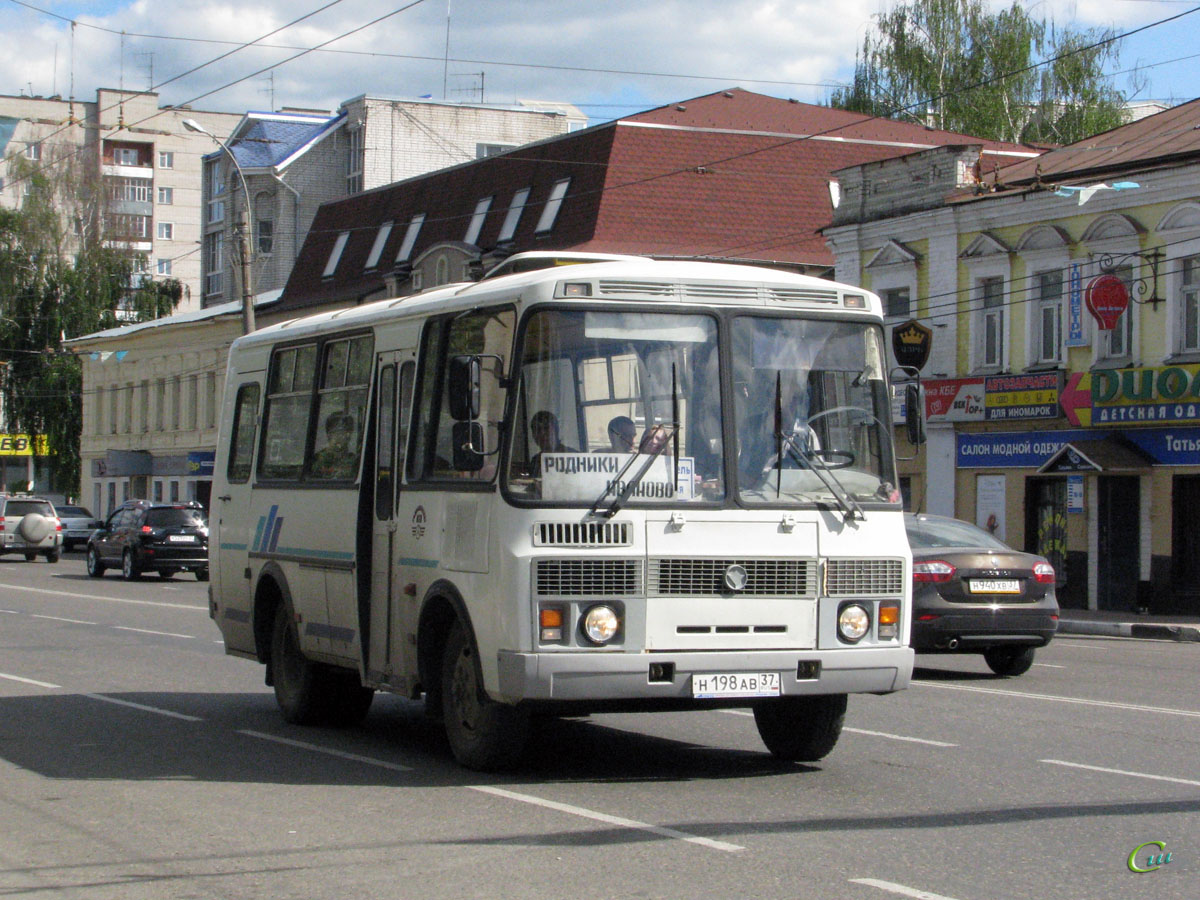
(1128, 624)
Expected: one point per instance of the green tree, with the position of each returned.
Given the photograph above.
(58, 280)
(956, 66)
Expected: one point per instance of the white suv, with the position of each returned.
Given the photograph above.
(29, 525)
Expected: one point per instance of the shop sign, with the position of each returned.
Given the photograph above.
(201, 463)
(1075, 335)
(1022, 396)
(1074, 493)
(1107, 298)
(1145, 395)
(22, 445)
(954, 400)
(911, 342)
(1030, 449)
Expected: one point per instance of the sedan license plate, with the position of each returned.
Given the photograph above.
(735, 684)
(181, 538)
(994, 585)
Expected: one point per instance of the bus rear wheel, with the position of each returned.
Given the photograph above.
(297, 680)
(483, 734)
(800, 729)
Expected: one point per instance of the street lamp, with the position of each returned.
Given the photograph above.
(244, 226)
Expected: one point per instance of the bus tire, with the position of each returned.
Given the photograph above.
(484, 735)
(348, 701)
(800, 729)
(298, 681)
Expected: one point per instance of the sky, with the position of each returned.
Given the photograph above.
(608, 57)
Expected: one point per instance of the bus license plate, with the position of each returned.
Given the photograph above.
(994, 586)
(735, 684)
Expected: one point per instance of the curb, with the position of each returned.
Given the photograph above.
(1131, 630)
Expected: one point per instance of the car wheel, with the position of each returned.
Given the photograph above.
(30, 557)
(95, 568)
(202, 574)
(298, 681)
(483, 734)
(800, 729)
(129, 568)
(1009, 660)
(166, 574)
(53, 556)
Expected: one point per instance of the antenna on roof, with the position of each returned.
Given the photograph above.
(446, 55)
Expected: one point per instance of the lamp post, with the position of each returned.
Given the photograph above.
(244, 227)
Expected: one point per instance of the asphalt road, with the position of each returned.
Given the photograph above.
(138, 761)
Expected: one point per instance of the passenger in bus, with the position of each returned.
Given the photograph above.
(654, 438)
(621, 433)
(544, 426)
(337, 458)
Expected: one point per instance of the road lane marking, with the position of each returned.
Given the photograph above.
(1110, 704)
(21, 587)
(61, 619)
(143, 707)
(1062, 762)
(44, 684)
(1049, 666)
(13, 612)
(900, 737)
(901, 889)
(580, 811)
(328, 751)
(149, 631)
(882, 734)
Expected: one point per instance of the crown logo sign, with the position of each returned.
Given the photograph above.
(911, 335)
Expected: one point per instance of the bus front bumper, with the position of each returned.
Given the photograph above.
(583, 677)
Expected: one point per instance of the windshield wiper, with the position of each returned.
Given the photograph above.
(671, 439)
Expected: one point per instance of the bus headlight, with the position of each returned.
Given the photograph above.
(601, 624)
(853, 622)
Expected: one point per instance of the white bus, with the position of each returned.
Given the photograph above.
(628, 485)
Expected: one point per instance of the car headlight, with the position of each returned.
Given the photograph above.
(853, 622)
(601, 624)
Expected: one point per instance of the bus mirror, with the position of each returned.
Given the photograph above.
(468, 446)
(914, 409)
(463, 387)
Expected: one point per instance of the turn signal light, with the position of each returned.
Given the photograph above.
(550, 619)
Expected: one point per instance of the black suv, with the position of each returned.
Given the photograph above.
(141, 536)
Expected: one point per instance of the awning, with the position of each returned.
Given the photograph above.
(1108, 454)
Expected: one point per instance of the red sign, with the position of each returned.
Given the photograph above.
(1106, 297)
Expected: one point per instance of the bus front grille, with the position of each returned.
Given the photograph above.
(587, 577)
(863, 577)
(707, 577)
(582, 534)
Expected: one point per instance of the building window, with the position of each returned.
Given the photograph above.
(128, 227)
(212, 265)
(33, 151)
(125, 156)
(485, 150)
(1189, 302)
(441, 271)
(166, 196)
(163, 267)
(990, 297)
(476, 225)
(410, 237)
(513, 216)
(1048, 309)
(166, 159)
(896, 303)
(553, 204)
(266, 235)
(354, 162)
(335, 254)
(1119, 341)
(166, 231)
(381, 237)
(131, 190)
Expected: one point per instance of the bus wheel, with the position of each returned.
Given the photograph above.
(348, 700)
(483, 734)
(298, 680)
(800, 729)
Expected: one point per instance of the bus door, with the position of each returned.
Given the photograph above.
(394, 386)
(231, 511)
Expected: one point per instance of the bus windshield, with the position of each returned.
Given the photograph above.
(812, 412)
(618, 407)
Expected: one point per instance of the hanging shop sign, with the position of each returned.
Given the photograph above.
(1107, 298)
(997, 398)
(1075, 333)
(911, 342)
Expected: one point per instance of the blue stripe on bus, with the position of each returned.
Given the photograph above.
(275, 534)
(268, 528)
(421, 563)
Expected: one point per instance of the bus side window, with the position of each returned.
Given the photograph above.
(385, 451)
(341, 408)
(243, 432)
(287, 411)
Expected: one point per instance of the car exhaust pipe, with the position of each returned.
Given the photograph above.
(952, 644)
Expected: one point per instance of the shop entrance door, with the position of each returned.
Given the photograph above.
(1119, 542)
(1046, 526)
(1185, 543)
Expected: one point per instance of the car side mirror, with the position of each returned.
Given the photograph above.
(463, 382)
